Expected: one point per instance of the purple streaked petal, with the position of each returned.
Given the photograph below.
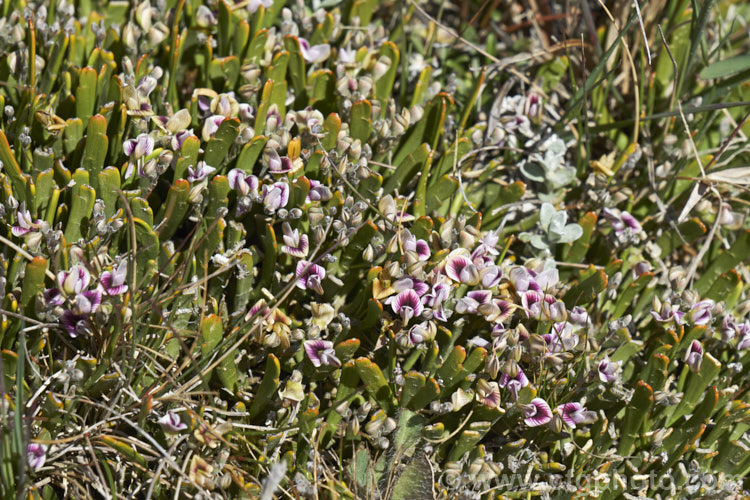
(19, 231)
(506, 310)
(275, 196)
(300, 250)
(491, 276)
(36, 455)
(466, 305)
(407, 305)
(481, 296)
(574, 413)
(53, 297)
(129, 146)
(578, 316)
(537, 413)
(70, 321)
(423, 250)
(314, 348)
(455, 265)
(489, 393)
(694, 356)
(421, 288)
(608, 370)
(315, 53)
(306, 271)
(630, 222)
(211, 126)
(171, 422)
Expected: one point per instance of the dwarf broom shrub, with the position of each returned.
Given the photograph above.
(351, 249)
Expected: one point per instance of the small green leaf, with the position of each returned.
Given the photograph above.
(375, 383)
(727, 67)
(86, 94)
(416, 482)
(361, 120)
(587, 290)
(33, 284)
(218, 147)
(212, 332)
(83, 197)
(268, 388)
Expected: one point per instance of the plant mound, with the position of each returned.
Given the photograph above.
(364, 250)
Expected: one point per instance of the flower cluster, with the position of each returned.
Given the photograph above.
(79, 300)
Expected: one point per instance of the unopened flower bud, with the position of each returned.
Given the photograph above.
(319, 234)
(510, 368)
(369, 253)
(556, 424)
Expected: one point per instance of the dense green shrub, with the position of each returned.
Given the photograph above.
(338, 251)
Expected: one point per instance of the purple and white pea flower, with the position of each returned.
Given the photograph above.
(200, 172)
(490, 275)
(514, 384)
(694, 356)
(75, 324)
(575, 414)
(137, 148)
(178, 139)
(536, 413)
(700, 313)
(204, 17)
(578, 316)
(608, 370)
(171, 423)
(407, 283)
(555, 311)
(310, 276)
(74, 281)
(36, 455)
(275, 196)
(277, 164)
(315, 53)
(420, 247)
(407, 305)
(561, 338)
(621, 221)
(533, 105)
(488, 243)
(728, 328)
(488, 393)
(420, 332)
(469, 304)
(434, 300)
(503, 310)
(295, 244)
(25, 223)
(532, 300)
(53, 297)
(113, 281)
(744, 342)
(211, 126)
(461, 269)
(318, 192)
(87, 302)
(668, 312)
(244, 184)
(321, 353)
